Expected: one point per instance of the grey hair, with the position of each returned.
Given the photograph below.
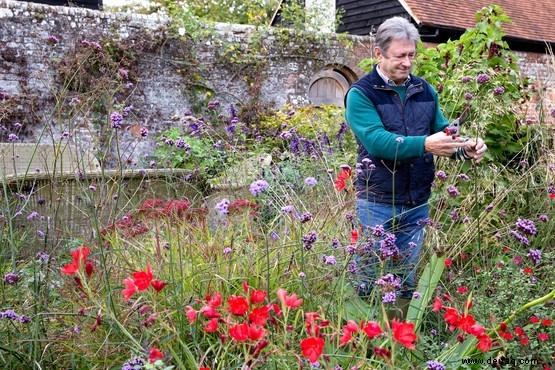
(396, 28)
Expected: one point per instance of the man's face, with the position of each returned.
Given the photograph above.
(397, 61)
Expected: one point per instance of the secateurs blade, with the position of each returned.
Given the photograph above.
(454, 128)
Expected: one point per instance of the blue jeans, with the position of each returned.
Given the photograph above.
(407, 224)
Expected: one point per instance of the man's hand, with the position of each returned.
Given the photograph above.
(475, 148)
(443, 145)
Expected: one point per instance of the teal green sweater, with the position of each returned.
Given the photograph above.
(364, 121)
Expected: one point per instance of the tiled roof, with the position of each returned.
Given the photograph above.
(531, 20)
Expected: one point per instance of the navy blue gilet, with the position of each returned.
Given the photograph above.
(400, 183)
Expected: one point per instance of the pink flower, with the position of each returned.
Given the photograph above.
(130, 288)
(290, 301)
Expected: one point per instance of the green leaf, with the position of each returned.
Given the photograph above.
(426, 287)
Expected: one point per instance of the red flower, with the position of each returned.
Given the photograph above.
(158, 285)
(465, 323)
(89, 269)
(546, 322)
(448, 262)
(191, 314)
(130, 288)
(437, 305)
(257, 296)
(256, 332)
(351, 326)
(354, 237)
(259, 315)
(154, 355)
(238, 305)
(143, 279)
(451, 316)
(527, 270)
(339, 184)
(210, 312)
(214, 301)
(476, 330)
(348, 331)
(506, 335)
(403, 332)
(484, 343)
(79, 257)
(543, 336)
(534, 319)
(346, 337)
(212, 326)
(462, 289)
(150, 204)
(524, 341)
(519, 331)
(290, 301)
(204, 368)
(239, 332)
(312, 326)
(382, 352)
(177, 207)
(312, 348)
(372, 329)
(341, 177)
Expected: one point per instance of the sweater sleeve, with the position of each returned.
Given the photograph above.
(363, 119)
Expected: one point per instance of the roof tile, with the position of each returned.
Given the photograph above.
(531, 20)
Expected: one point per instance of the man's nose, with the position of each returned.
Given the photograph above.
(407, 61)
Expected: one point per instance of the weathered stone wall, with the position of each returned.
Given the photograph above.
(166, 70)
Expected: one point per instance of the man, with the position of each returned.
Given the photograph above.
(399, 127)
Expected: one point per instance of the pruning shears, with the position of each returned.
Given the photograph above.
(454, 128)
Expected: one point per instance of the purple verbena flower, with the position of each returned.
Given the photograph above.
(482, 78)
(389, 297)
(311, 181)
(288, 209)
(222, 207)
(435, 365)
(519, 237)
(115, 120)
(535, 255)
(526, 226)
(441, 175)
(309, 240)
(543, 218)
(453, 191)
(305, 217)
(499, 90)
(258, 187)
(11, 278)
(377, 230)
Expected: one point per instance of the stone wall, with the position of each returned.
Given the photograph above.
(165, 70)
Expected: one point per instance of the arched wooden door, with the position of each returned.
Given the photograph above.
(328, 87)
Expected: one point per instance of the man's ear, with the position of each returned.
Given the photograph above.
(378, 52)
